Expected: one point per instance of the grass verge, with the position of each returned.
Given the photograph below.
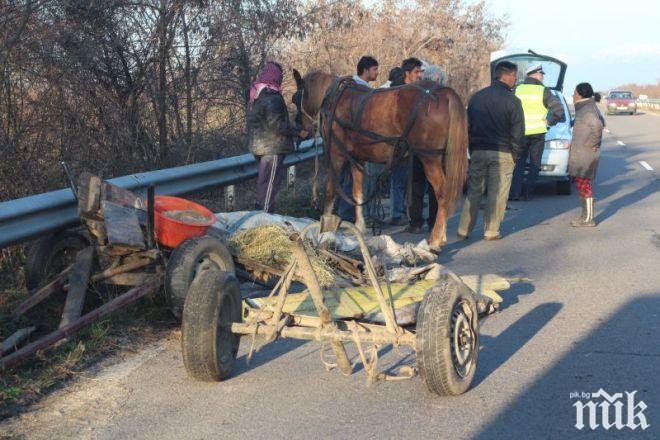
(124, 331)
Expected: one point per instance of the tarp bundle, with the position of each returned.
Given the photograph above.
(382, 247)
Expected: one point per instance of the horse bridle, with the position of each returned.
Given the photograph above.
(315, 121)
(316, 126)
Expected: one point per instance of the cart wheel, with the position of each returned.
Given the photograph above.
(208, 345)
(49, 255)
(447, 339)
(184, 263)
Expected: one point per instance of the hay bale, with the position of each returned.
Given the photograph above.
(270, 245)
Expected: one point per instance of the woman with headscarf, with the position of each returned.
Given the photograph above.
(270, 135)
(585, 150)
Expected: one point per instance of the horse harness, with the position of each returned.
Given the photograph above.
(400, 143)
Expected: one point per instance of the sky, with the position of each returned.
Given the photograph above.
(603, 42)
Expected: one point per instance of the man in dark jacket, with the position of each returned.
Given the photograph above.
(269, 132)
(541, 109)
(495, 128)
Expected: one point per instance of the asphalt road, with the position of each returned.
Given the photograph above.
(589, 319)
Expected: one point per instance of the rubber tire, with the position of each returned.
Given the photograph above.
(183, 263)
(49, 255)
(434, 358)
(209, 352)
(563, 187)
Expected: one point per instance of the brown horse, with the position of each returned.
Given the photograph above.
(359, 124)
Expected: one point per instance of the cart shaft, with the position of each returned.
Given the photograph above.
(373, 335)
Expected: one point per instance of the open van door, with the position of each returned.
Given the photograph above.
(554, 69)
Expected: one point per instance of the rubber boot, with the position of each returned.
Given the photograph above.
(578, 221)
(588, 220)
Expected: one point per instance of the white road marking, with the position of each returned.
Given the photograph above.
(621, 143)
(646, 165)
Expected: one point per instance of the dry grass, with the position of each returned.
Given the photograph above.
(271, 245)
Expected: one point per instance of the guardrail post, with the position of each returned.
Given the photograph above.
(291, 177)
(230, 198)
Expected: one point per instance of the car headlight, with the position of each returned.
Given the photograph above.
(558, 144)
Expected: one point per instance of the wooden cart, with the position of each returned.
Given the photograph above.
(445, 337)
(117, 247)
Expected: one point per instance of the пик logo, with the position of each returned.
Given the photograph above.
(611, 407)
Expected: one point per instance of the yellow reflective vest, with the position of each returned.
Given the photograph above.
(531, 96)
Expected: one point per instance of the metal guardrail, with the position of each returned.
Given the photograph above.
(651, 104)
(29, 217)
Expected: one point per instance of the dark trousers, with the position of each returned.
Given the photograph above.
(269, 180)
(346, 210)
(420, 187)
(532, 149)
(398, 186)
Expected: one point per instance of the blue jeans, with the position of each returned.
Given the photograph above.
(398, 183)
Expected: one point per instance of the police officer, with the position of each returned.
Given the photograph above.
(541, 109)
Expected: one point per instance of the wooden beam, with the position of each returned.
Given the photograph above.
(78, 281)
(89, 195)
(41, 294)
(15, 339)
(93, 316)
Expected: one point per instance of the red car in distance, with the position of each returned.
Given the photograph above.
(620, 101)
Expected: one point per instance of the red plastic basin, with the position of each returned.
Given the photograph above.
(172, 232)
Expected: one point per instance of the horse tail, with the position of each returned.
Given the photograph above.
(455, 161)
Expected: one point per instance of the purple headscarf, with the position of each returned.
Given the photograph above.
(270, 77)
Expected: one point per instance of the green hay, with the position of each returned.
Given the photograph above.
(271, 245)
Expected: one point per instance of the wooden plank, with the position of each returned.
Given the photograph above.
(78, 281)
(97, 229)
(89, 195)
(485, 282)
(121, 196)
(93, 316)
(351, 302)
(128, 279)
(41, 294)
(15, 339)
(357, 302)
(122, 226)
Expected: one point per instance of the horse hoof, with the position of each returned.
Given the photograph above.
(436, 249)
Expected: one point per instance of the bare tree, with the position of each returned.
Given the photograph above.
(120, 86)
